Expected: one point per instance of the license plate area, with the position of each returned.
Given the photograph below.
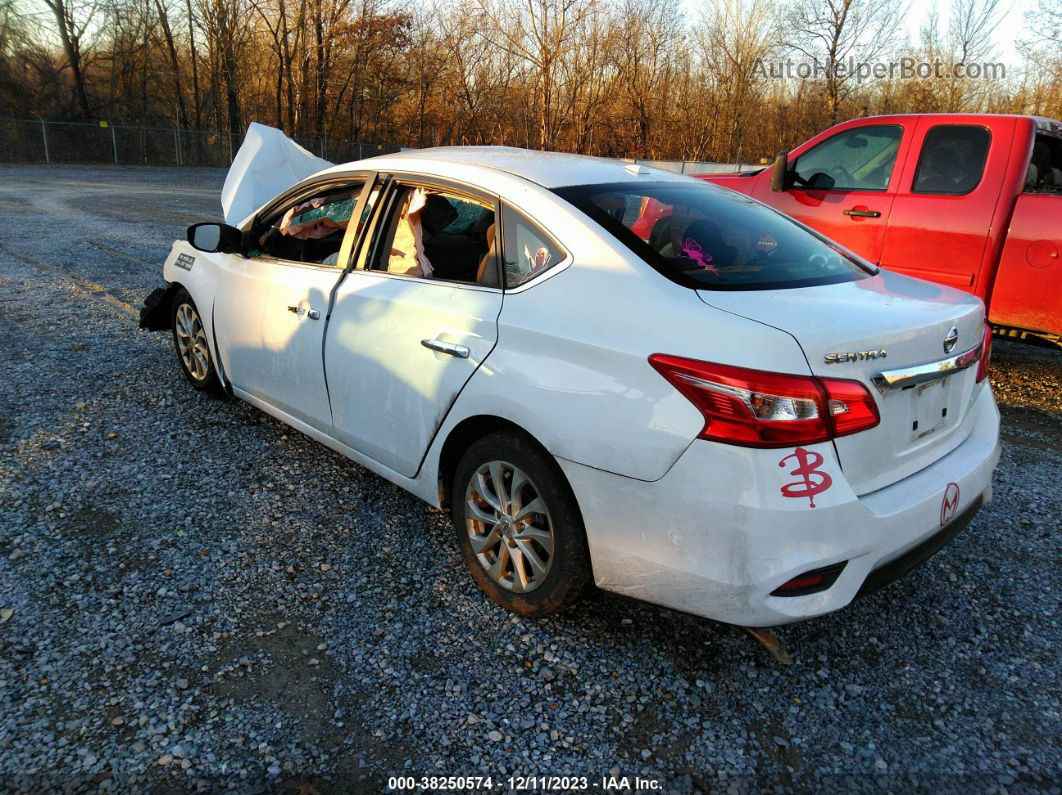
(929, 407)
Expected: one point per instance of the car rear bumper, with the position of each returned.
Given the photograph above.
(717, 536)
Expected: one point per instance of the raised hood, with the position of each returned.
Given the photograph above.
(881, 324)
(267, 163)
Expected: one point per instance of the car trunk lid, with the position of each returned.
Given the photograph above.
(884, 324)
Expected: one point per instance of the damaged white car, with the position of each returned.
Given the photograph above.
(608, 374)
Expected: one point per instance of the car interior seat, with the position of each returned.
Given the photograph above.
(487, 272)
(1032, 176)
(935, 175)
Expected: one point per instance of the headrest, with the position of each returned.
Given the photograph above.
(1032, 175)
(1041, 152)
(437, 214)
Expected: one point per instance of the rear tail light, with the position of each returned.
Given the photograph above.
(851, 407)
(755, 408)
(986, 355)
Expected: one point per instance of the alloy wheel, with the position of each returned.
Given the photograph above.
(192, 342)
(509, 526)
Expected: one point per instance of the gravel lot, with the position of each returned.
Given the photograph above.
(196, 597)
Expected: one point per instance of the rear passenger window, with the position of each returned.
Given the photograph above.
(528, 250)
(435, 234)
(952, 159)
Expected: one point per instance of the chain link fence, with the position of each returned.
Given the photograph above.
(43, 141)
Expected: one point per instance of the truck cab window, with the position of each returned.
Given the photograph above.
(1044, 174)
(952, 159)
(860, 158)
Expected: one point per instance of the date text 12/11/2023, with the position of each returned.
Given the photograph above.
(607, 783)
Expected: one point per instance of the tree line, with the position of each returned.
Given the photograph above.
(734, 80)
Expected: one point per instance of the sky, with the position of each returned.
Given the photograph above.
(1010, 30)
(1011, 25)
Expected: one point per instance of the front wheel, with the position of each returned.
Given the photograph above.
(189, 339)
(519, 527)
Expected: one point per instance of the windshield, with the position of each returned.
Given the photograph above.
(707, 237)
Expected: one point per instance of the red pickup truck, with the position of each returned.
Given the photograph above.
(969, 200)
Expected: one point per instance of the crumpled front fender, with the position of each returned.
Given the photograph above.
(155, 313)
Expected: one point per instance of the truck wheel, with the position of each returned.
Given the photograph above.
(519, 527)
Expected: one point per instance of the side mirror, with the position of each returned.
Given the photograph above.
(211, 238)
(779, 172)
(820, 180)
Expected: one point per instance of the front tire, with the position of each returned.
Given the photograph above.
(519, 527)
(190, 342)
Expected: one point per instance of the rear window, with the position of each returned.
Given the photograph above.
(706, 237)
(1044, 173)
(952, 160)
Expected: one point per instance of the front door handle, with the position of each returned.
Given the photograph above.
(862, 212)
(453, 349)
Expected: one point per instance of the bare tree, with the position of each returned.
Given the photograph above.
(541, 33)
(835, 33)
(194, 58)
(609, 77)
(736, 36)
(72, 18)
(1041, 90)
(222, 20)
(649, 34)
(969, 41)
(171, 49)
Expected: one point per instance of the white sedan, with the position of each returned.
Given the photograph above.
(608, 374)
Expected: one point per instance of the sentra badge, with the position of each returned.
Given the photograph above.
(855, 356)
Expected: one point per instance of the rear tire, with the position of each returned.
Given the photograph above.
(190, 342)
(519, 526)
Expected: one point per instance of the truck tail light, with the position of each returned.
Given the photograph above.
(755, 408)
(986, 355)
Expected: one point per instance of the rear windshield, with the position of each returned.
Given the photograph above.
(707, 237)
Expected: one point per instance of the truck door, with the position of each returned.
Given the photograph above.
(843, 185)
(948, 191)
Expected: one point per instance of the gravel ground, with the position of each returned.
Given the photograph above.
(194, 596)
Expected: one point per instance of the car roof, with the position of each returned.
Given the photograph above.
(547, 169)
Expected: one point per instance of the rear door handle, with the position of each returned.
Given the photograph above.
(453, 349)
(855, 212)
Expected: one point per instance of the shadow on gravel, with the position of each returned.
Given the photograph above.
(284, 666)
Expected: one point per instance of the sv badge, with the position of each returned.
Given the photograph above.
(812, 479)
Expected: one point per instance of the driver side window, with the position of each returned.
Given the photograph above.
(857, 159)
(310, 230)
